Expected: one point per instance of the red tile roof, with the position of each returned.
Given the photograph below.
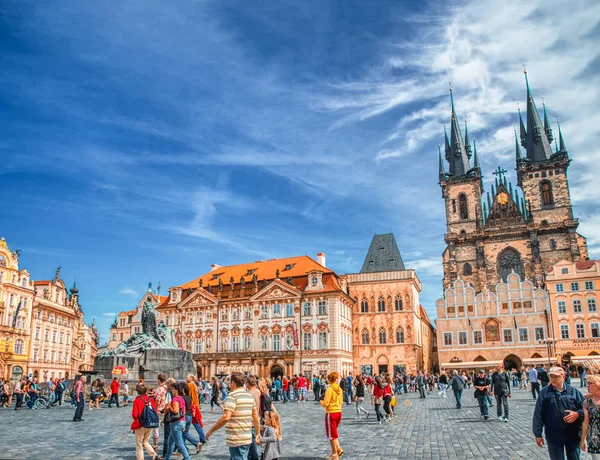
(585, 264)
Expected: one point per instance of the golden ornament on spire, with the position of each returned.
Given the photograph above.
(3, 242)
(524, 69)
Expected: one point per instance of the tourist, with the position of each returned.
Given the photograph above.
(196, 414)
(482, 386)
(543, 378)
(581, 371)
(443, 384)
(78, 390)
(126, 393)
(523, 378)
(114, 392)
(160, 395)
(302, 388)
(558, 415)
(142, 434)
(377, 398)
(215, 394)
(285, 388)
(533, 381)
(251, 386)
(266, 402)
(175, 417)
(332, 402)
(18, 392)
(316, 387)
(457, 383)
(184, 391)
(501, 390)
(387, 398)
(240, 415)
(95, 392)
(33, 391)
(420, 381)
(270, 437)
(277, 385)
(59, 392)
(590, 433)
(349, 389)
(359, 398)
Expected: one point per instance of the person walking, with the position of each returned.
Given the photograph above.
(590, 430)
(332, 402)
(558, 415)
(114, 392)
(581, 371)
(482, 386)
(457, 383)
(377, 398)
(420, 382)
(195, 419)
(543, 378)
(533, 381)
(359, 398)
(215, 394)
(270, 436)
(175, 417)
(78, 389)
(240, 415)
(184, 392)
(18, 392)
(443, 384)
(501, 390)
(142, 434)
(33, 391)
(251, 385)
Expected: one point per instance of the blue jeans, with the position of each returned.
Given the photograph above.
(483, 404)
(254, 451)
(557, 451)
(458, 396)
(176, 437)
(186, 431)
(32, 398)
(239, 453)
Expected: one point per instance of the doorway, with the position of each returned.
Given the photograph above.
(276, 371)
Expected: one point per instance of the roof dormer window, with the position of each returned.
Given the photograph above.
(216, 276)
(289, 267)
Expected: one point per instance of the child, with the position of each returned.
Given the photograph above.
(270, 435)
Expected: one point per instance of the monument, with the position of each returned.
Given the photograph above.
(147, 354)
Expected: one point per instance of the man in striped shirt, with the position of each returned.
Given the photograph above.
(240, 414)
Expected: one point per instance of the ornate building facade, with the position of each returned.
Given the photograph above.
(526, 231)
(281, 316)
(390, 327)
(16, 300)
(574, 289)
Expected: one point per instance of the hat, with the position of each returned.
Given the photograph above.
(481, 371)
(557, 371)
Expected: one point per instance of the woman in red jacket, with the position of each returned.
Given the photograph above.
(378, 398)
(142, 435)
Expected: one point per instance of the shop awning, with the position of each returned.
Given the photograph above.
(538, 361)
(583, 359)
(470, 365)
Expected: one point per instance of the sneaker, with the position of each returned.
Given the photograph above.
(380, 422)
(368, 414)
(505, 419)
(500, 418)
(485, 417)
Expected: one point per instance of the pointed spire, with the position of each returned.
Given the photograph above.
(538, 147)
(459, 159)
(442, 170)
(484, 217)
(447, 149)
(517, 148)
(547, 126)
(467, 142)
(489, 201)
(561, 142)
(522, 128)
(476, 164)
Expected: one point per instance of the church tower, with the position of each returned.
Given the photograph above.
(524, 231)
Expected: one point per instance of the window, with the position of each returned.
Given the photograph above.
(264, 312)
(564, 331)
(462, 337)
(198, 346)
(591, 305)
(289, 309)
(562, 307)
(564, 270)
(508, 335)
(68, 339)
(364, 337)
(540, 333)
(462, 206)
(224, 315)
(589, 285)
(247, 342)
(577, 306)
(19, 347)
(546, 191)
(314, 281)
(467, 270)
(523, 334)
(364, 306)
(560, 287)
(322, 307)
(263, 342)
(235, 343)
(448, 339)
(398, 304)
(37, 333)
(114, 336)
(276, 344)
(399, 335)
(307, 340)
(61, 337)
(276, 310)
(553, 244)
(509, 260)
(527, 304)
(307, 309)
(595, 330)
(382, 336)
(477, 337)
(322, 340)
(575, 287)
(580, 331)
(381, 304)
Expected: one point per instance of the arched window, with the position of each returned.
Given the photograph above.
(399, 335)
(19, 347)
(552, 244)
(509, 260)
(398, 304)
(381, 304)
(467, 270)
(365, 337)
(546, 192)
(382, 336)
(462, 206)
(364, 306)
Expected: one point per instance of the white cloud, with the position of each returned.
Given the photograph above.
(130, 292)
(110, 314)
(431, 266)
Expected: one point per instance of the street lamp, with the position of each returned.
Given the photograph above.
(548, 342)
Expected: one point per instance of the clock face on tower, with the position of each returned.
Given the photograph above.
(502, 198)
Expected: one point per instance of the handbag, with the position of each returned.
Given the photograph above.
(171, 417)
(393, 403)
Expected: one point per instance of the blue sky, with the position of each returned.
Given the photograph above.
(147, 140)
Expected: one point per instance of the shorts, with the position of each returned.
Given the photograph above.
(94, 396)
(303, 392)
(332, 421)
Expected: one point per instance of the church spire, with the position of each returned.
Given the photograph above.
(522, 129)
(442, 170)
(467, 142)
(518, 149)
(547, 126)
(459, 159)
(561, 142)
(538, 147)
(476, 159)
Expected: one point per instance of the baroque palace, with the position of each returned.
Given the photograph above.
(41, 325)
(501, 247)
(294, 315)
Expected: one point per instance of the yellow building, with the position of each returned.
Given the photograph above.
(16, 300)
(574, 289)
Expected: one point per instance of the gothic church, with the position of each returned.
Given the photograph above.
(526, 229)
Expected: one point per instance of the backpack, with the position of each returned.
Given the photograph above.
(149, 417)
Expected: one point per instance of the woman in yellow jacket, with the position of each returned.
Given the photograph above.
(332, 402)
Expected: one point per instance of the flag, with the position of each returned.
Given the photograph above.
(470, 325)
(295, 334)
(515, 319)
(16, 313)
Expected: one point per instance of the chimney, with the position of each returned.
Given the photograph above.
(321, 259)
(214, 267)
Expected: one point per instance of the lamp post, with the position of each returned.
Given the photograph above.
(548, 342)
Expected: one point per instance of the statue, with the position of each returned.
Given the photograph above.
(290, 280)
(232, 282)
(242, 282)
(277, 273)
(264, 283)
(480, 256)
(220, 285)
(57, 276)
(535, 248)
(200, 282)
(255, 281)
(149, 320)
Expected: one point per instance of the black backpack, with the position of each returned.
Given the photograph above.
(149, 417)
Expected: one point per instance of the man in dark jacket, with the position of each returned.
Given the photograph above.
(457, 382)
(543, 376)
(501, 389)
(558, 414)
(482, 387)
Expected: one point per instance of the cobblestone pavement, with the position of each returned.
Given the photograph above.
(422, 429)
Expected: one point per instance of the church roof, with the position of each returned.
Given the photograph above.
(383, 255)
